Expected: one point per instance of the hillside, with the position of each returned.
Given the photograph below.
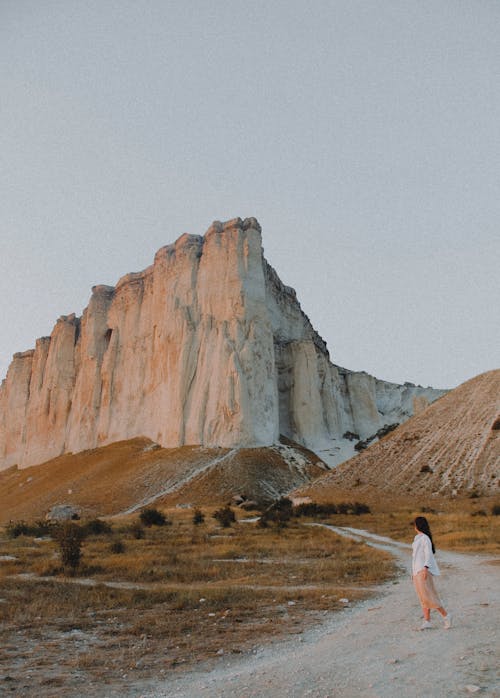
(451, 449)
(125, 476)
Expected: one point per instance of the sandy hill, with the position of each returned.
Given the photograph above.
(451, 449)
(125, 476)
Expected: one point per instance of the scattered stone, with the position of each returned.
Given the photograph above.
(472, 688)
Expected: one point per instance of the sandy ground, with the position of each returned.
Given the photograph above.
(375, 649)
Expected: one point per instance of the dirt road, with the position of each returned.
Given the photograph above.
(375, 650)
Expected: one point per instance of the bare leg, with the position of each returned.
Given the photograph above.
(427, 613)
(441, 611)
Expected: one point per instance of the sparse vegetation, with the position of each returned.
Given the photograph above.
(193, 589)
(97, 527)
(280, 512)
(37, 529)
(225, 516)
(192, 597)
(316, 510)
(136, 530)
(152, 517)
(198, 517)
(70, 535)
(117, 547)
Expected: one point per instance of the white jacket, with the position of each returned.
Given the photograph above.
(423, 555)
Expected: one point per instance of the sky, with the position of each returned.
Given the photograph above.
(364, 136)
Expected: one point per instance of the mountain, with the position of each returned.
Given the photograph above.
(451, 449)
(205, 347)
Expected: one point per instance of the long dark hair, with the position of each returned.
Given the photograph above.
(422, 525)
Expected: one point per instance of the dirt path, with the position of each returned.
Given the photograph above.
(375, 649)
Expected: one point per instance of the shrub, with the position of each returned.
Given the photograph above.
(479, 512)
(280, 512)
(473, 495)
(314, 509)
(69, 536)
(495, 510)
(97, 527)
(426, 469)
(225, 516)
(21, 528)
(117, 547)
(198, 517)
(358, 508)
(15, 529)
(152, 517)
(136, 530)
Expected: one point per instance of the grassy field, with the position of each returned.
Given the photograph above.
(140, 608)
(182, 595)
(465, 526)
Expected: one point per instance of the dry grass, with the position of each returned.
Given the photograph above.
(200, 593)
(460, 529)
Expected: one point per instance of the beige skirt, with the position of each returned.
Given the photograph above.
(426, 591)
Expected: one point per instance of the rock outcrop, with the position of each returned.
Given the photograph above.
(450, 449)
(206, 346)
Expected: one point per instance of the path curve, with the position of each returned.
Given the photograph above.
(375, 650)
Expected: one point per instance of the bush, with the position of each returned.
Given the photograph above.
(225, 516)
(280, 512)
(21, 528)
(198, 517)
(14, 529)
(152, 517)
(69, 535)
(358, 509)
(426, 469)
(495, 510)
(314, 509)
(97, 527)
(117, 547)
(136, 530)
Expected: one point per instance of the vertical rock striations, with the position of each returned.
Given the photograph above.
(206, 346)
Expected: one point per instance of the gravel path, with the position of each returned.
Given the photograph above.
(375, 650)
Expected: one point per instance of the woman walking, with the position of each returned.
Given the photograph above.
(424, 569)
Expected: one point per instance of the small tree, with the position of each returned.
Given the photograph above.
(152, 517)
(225, 516)
(70, 536)
(97, 527)
(198, 517)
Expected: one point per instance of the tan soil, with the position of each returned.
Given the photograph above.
(375, 650)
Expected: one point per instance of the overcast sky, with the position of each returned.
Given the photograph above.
(364, 136)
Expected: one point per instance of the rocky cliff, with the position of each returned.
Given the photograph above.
(450, 449)
(206, 346)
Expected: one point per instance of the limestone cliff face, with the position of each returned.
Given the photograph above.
(206, 346)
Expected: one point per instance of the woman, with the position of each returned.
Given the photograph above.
(424, 569)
